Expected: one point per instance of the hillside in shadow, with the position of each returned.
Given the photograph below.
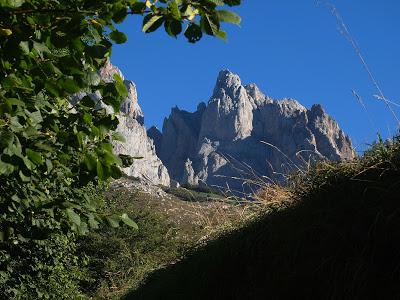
(338, 239)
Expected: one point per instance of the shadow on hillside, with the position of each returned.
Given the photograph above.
(342, 242)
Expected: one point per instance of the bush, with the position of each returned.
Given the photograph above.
(49, 269)
(121, 258)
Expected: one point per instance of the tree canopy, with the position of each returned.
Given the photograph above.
(50, 149)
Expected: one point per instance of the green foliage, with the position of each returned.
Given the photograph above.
(119, 258)
(52, 145)
(46, 269)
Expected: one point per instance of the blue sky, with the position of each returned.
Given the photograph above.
(289, 48)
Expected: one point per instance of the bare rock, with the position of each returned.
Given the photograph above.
(243, 136)
(228, 115)
(189, 177)
(156, 136)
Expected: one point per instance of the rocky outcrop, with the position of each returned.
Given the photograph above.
(179, 139)
(156, 136)
(228, 116)
(148, 167)
(242, 136)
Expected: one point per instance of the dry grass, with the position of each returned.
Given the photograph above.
(338, 240)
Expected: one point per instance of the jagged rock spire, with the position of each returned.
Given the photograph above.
(241, 132)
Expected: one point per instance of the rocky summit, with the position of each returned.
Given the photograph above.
(242, 137)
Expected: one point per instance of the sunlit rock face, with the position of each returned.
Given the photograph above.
(131, 125)
(242, 135)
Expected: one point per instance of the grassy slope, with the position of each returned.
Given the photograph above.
(340, 239)
(121, 258)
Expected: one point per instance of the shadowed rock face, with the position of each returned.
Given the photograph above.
(243, 134)
(131, 126)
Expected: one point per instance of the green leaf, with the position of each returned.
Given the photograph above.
(16, 102)
(173, 27)
(229, 17)
(138, 7)
(40, 48)
(100, 170)
(174, 9)
(70, 85)
(209, 24)
(15, 125)
(90, 162)
(6, 139)
(193, 33)
(92, 78)
(121, 88)
(118, 37)
(30, 165)
(80, 136)
(116, 172)
(11, 82)
(73, 216)
(83, 228)
(218, 2)
(92, 222)
(128, 221)
(5, 168)
(12, 3)
(113, 221)
(24, 47)
(49, 165)
(120, 14)
(151, 22)
(34, 156)
(53, 88)
(23, 177)
(87, 101)
(222, 35)
(35, 117)
(232, 2)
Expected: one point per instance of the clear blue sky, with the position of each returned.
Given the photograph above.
(289, 48)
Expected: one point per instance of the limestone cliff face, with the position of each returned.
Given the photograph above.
(131, 126)
(228, 116)
(242, 134)
(179, 139)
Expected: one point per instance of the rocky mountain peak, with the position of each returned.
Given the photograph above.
(228, 85)
(131, 106)
(241, 131)
(227, 79)
(228, 115)
(257, 98)
(317, 110)
(290, 107)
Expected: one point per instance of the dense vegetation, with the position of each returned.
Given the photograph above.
(338, 239)
(52, 148)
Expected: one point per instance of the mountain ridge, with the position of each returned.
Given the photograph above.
(241, 127)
